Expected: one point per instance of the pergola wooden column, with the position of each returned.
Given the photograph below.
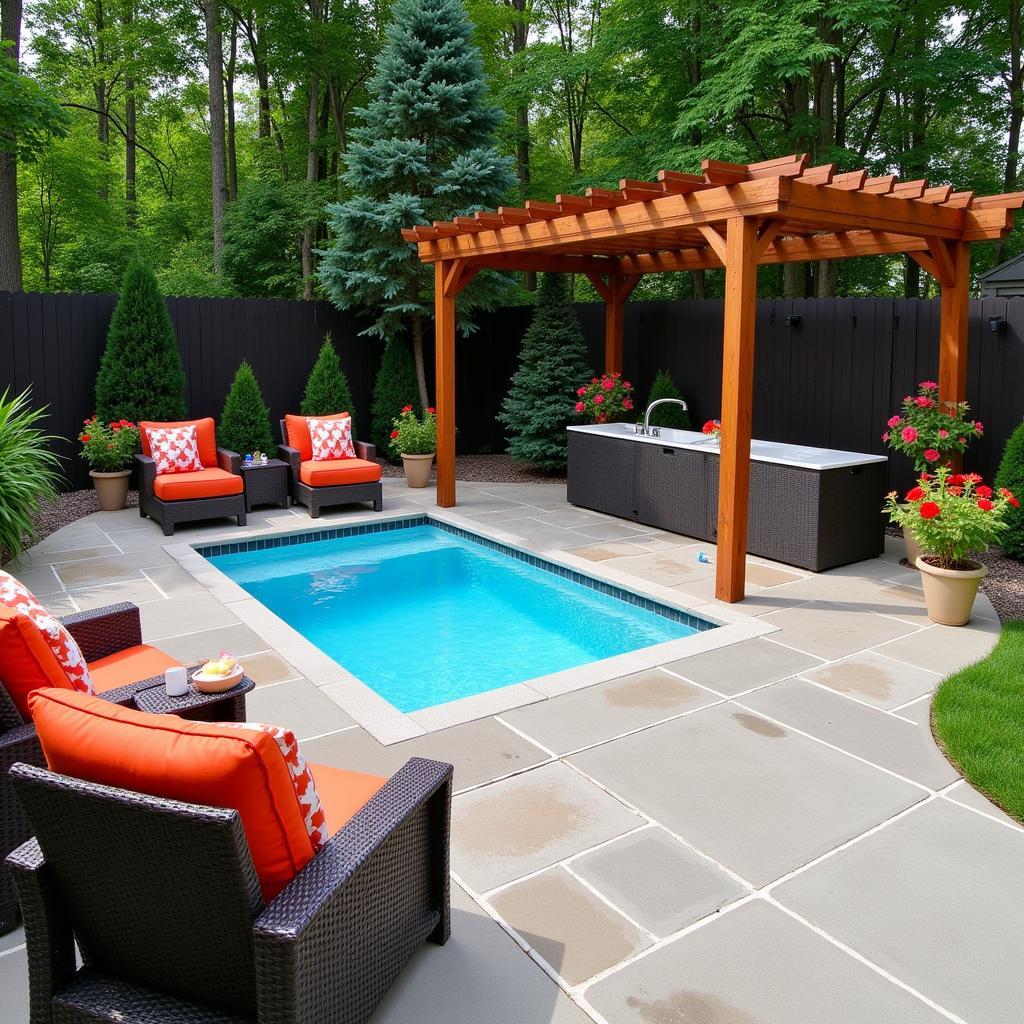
(736, 216)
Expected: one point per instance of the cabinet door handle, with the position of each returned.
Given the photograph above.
(668, 451)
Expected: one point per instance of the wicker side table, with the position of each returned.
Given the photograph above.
(195, 706)
(266, 485)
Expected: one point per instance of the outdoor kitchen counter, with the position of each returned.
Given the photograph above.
(812, 507)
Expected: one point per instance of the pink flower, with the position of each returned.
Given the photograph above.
(909, 435)
(931, 455)
(885, 437)
(923, 402)
(607, 383)
(943, 434)
(598, 399)
(581, 391)
(906, 399)
(963, 440)
(627, 385)
(928, 385)
(894, 421)
(579, 407)
(978, 427)
(627, 404)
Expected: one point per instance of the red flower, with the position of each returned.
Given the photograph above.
(394, 433)
(406, 408)
(923, 402)
(87, 437)
(909, 434)
(709, 427)
(885, 436)
(627, 404)
(113, 423)
(581, 391)
(955, 478)
(915, 494)
(974, 478)
(985, 505)
(925, 477)
(598, 399)
(983, 491)
(894, 421)
(579, 407)
(430, 409)
(1008, 495)
(928, 385)
(627, 386)
(931, 454)
(956, 490)
(87, 420)
(978, 428)
(929, 510)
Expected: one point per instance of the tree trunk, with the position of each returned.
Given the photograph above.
(700, 287)
(417, 355)
(10, 242)
(1015, 86)
(520, 38)
(229, 92)
(914, 164)
(215, 63)
(309, 231)
(826, 271)
(130, 136)
(102, 99)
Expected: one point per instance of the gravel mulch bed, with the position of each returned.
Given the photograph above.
(1004, 584)
(490, 469)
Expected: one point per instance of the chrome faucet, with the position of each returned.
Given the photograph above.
(647, 430)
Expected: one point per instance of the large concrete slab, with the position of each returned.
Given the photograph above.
(832, 631)
(609, 709)
(657, 881)
(520, 825)
(874, 679)
(741, 667)
(577, 933)
(937, 899)
(297, 705)
(754, 796)
(754, 965)
(945, 649)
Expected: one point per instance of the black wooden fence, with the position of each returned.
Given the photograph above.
(829, 372)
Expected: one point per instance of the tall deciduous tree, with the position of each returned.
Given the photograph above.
(215, 68)
(423, 152)
(10, 245)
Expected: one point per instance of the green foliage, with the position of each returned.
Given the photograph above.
(29, 472)
(327, 390)
(109, 447)
(394, 388)
(30, 116)
(979, 716)
(412, 435)
(245, 422)
(552, 364)
(140, 376)
(1011, 476)
(673, 416)
(259, 256)
(422, 152)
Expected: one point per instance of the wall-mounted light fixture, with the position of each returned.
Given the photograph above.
(997, 325)
(794, 320)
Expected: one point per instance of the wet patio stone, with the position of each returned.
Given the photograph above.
(874, 679)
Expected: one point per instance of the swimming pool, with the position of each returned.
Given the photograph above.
(425, 614)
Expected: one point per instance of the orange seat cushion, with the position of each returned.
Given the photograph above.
(332, 472)
(297, 430)
(195, 762)
(206, 438)
(129, 666)
(27, 661)
(207, 483)
(342, 793)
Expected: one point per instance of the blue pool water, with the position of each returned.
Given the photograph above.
(424, 616)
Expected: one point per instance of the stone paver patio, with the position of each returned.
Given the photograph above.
(760, 834)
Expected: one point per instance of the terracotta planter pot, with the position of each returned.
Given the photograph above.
(111, 488)
(417, 469)
(949, 593)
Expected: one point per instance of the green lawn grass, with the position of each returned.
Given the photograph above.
(978, 715)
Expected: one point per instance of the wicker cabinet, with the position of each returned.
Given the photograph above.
(604, 472)
(670, 489)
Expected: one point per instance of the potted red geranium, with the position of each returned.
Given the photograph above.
(713, 429)
(952, 514)
(606, 399)
(415, 440)
(109, 449)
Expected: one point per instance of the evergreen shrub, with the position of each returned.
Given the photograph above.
(327, 390)
(245, 422)
(394, 388)
(1011, 476)
(673, 416)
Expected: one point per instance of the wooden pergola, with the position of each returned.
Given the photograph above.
(736, 216)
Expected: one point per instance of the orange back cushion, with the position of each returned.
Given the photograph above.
(206, 437)
(297, 430)
(196, 762)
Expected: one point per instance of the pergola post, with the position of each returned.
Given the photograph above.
(737, 406)
(953, 325)
(615, 289)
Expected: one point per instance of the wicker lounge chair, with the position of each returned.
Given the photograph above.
(162, 900)
(113, 633)
(303, 472)
(170, 498)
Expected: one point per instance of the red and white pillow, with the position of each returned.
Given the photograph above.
(174, 449)
(302, 778)
(331, 439)
(69, 655)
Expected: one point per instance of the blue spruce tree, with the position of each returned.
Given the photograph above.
(424, 151)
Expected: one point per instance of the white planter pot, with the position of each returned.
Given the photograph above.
(949, 593)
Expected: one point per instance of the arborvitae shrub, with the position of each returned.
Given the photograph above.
(552, 365)
(140, 376)
(666, 415)
(1011, 475)
(327, 390)
(245, 422)
(394, 388)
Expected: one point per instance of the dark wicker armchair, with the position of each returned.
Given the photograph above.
(317, 497)
(188, 510)
(163, 903)
(99, 633)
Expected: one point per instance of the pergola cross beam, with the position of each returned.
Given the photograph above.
(736, 216)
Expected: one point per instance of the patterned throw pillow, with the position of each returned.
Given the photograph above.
(69, 655)
(175, 449)
(331, 439)
(302, 778)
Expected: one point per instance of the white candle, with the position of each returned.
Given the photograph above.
(176, 681)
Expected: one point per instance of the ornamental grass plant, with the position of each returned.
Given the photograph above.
(952, 515)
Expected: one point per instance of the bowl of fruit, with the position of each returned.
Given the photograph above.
(218, 674)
